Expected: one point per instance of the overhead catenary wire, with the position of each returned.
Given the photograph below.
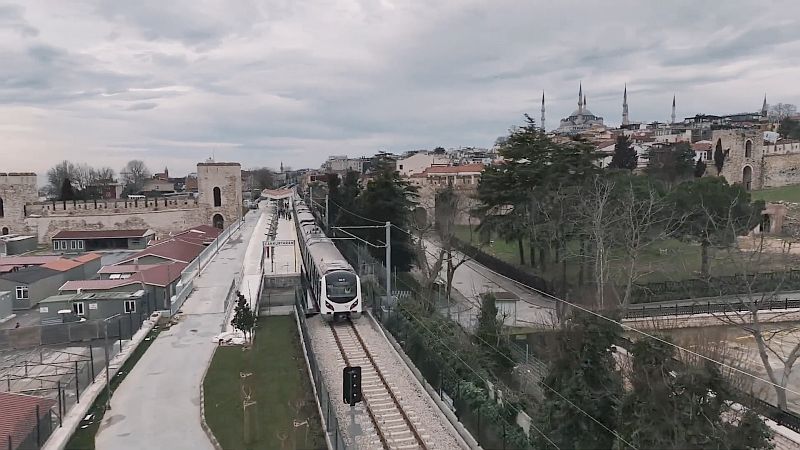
(621, 324)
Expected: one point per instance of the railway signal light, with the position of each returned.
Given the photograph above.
(351, 379)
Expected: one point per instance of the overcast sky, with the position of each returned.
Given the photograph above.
(173, 82)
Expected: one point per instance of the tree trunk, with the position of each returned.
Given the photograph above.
(581, 260)
(564, 270)
(543, 252)
(521, 252)
(532, 250)
(704, 258)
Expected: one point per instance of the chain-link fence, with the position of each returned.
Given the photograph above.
(324, 397)
(44, 382)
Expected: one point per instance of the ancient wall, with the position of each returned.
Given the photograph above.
(16, 190)
(73, 207)
(162, 222)
(227, 177)
(741, 163)
(781, 169)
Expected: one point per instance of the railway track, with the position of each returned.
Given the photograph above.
(395, 427)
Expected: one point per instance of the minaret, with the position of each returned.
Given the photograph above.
(542, 122)
(580, 99)
(281, 166)
(764, 107)
(673, 109)
(625, 120)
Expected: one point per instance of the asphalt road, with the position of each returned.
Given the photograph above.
(158, 404)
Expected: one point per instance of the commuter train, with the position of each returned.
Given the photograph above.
(333, 282)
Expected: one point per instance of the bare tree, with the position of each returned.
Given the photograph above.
(56, 176)
(134, 175)
(781, 111)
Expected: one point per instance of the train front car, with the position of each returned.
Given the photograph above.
(340, 295)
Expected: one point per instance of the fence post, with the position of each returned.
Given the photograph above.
(119, 333)
(130, 321)
(60, 407)
(77, 386)
(786, 303)
(91, 359)
(38, 428)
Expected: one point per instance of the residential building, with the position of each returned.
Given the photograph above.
(419, 161)
(69, 241)
(342, 164)
(29, 285)
(459, 177)
(94, 306)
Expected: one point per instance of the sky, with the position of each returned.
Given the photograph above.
(174, 82)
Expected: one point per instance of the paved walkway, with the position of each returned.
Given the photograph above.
(158, 404)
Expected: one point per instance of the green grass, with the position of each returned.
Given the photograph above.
(785, 193)
(681, 261)
(83, 438)
(279, 384)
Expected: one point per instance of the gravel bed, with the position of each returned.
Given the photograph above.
(358, 431)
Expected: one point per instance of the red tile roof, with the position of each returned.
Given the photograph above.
(18, 419)
(26, 260)
(126, 268)
(62, 265)
(455, 169)
(162, 274)
(702, 146)
(86, 257)
(101, 234)
(174, 249)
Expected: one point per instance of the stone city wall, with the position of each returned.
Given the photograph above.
(162, 222)
(781, 169)
(78, 207)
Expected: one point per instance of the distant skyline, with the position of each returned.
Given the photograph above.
(260, 82)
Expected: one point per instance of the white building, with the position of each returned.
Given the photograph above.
(418, 162)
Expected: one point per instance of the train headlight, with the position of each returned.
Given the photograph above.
(354, 305)
(329, 306)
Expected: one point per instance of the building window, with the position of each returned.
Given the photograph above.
(217, 197)
(5, 231)
(748, 149)
(401, 167)
(22, 292)
(80, 245)
(77, 308)
(130, 306)
(2, 213)
(73, 245)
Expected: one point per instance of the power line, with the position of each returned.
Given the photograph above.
(621, 324)
(342, 208)
(496, 350)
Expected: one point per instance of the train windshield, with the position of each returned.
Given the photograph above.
(341, 287)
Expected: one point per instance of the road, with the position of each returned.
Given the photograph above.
(158, 404)
(471, 279)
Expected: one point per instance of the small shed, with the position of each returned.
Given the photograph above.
(16, 244)
(93, 306)
(71, 241)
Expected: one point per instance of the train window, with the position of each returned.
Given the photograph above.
(341, 286)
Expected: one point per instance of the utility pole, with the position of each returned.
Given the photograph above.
(327, 218)
(388, 261)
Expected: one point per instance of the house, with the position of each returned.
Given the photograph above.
(70, 241)
(19, 421)
(466, 176)
(15, 244)
(419, 161)
(93, 306)
(29, 285)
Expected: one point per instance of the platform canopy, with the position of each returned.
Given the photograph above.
(276, 194)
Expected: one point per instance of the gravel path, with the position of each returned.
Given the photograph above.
(356, 425)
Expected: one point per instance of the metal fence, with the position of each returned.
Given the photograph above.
(324, 397)
(60, 374)
(186, 284)
(737, 306)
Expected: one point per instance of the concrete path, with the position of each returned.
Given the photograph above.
(158, 404)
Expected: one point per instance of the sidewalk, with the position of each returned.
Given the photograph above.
(158, 404)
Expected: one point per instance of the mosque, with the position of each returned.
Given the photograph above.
(580, 120)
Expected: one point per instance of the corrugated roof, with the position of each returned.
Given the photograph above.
(162, 274)
(86, 257)
(26, 260)
(176, 250)
(101, 234)
(98, 285)
(18, 419)
(126, 268)
(29, 275)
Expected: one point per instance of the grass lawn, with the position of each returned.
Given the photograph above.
(785, 193)
(680, 261)
(83, 438)
(286, 412)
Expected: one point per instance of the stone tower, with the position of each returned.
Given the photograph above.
(744, 149)
(673, 109)
(219, 185)
(625, 119)
(16, 190)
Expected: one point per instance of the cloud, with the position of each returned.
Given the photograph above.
(279, 80)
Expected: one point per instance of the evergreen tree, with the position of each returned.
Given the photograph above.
(671, 163)
(67, 192)
(699, 168)
(624, 155)
(489, 334)
(719, 159)
(243, 318)
(387, 197)
(714, 213)
(789, 128)
(582, 377)
(673, 406)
